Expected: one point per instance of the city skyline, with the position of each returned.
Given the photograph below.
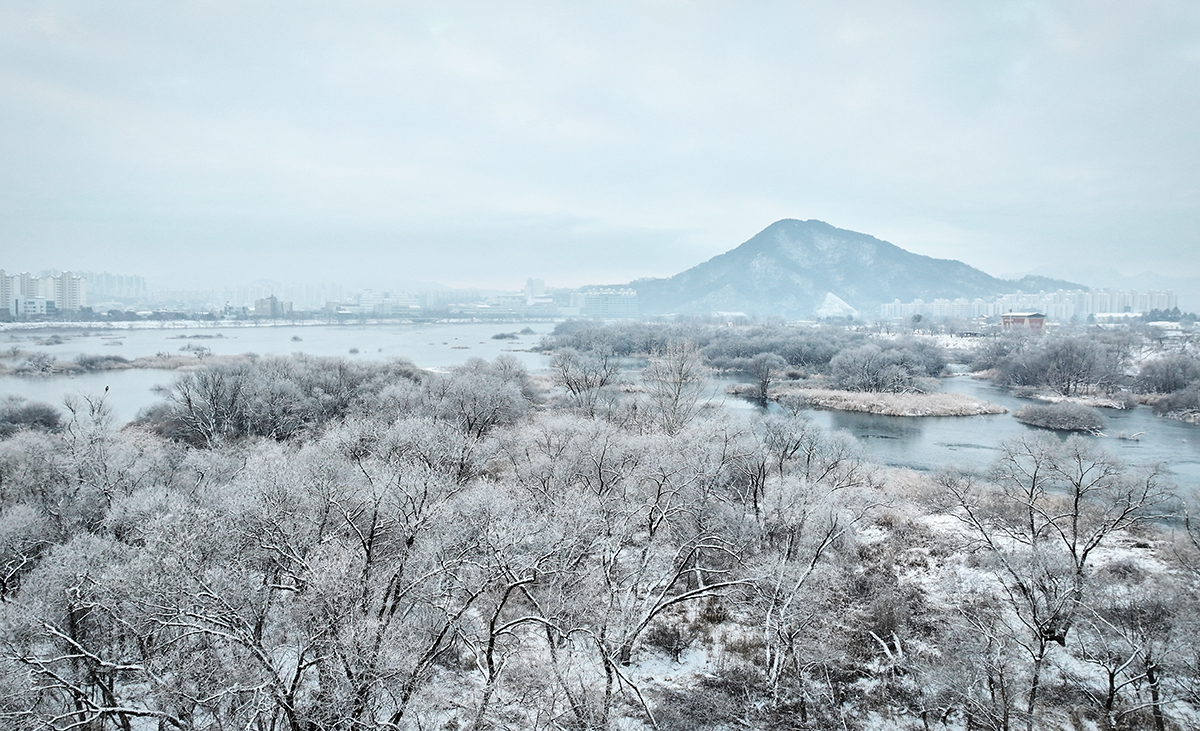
(25, 294)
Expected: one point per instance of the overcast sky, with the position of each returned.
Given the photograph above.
(477, 144)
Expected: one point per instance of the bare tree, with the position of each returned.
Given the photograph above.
(764, 368)
(675, 379)
(585, 376)
(1126, 636)
(1049, 507)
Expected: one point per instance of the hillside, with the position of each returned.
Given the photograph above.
(791, 268)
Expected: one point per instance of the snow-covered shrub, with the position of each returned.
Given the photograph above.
(1063, 417)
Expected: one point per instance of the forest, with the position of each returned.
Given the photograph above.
(301, 543)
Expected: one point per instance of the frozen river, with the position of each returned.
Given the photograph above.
(924, 443)
(434, 346)
(931, 442)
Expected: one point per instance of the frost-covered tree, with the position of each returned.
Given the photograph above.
(675, 380)
(1045, 511)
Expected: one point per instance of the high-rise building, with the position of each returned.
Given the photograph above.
(69, 292)
(27, 285)
(6, 294)
(535, 288)
(25, 294)
(124, 287)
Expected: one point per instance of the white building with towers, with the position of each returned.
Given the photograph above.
(24, 294)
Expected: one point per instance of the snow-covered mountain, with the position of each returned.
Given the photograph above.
(791, 268)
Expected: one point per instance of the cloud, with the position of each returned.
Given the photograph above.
(484, 143)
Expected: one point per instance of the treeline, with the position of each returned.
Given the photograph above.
(1172, 315)
(1094, 361)
(1175, 379)
(1071, 363)
(1075, 361)
(1127, 365)
(306, 543)
(842, 358)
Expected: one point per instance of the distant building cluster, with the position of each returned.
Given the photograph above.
(604, 304)
(49, 294)
(536, 302)
(272, 307)
(303, 296)
(1063, 305)
(102, 286)
(374, 302)
(24, 295)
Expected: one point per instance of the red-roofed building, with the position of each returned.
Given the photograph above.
(1035, 321)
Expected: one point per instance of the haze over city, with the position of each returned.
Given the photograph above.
(477, 144)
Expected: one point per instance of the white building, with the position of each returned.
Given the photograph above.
(22, 306)
(70, 292)
(374, 302)
(6, 291)
(1062, 305)
(66, 292)
(608, 304)
(386, 303)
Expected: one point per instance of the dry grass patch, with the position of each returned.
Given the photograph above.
(897, 404)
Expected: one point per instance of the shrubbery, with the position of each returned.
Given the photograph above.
(764, 350)
(1182, 401)
(276, 397)
(281, 398)
(17, 414)
(1069, 363)
(100, 362)
(896, 368)
(1170, 373)
(1062, 417)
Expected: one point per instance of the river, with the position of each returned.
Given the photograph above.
(922, 443)
(434, 346)
(931, 442)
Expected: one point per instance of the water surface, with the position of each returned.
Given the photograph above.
(922, 443)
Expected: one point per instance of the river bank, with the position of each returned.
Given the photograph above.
(898, 404)
(883, 404)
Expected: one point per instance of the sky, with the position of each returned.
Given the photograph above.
(477, 144)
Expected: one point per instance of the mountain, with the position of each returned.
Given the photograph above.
(792, 267)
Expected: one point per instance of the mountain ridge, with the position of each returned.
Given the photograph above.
(788, 269)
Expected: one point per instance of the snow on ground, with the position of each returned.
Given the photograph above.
(895, 404)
